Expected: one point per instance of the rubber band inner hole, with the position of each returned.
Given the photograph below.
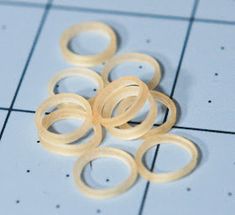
(141, 115)
(143, 72)
(89, 43)
(170, 157)
(65, 126)
(105, 173)
(83, 86)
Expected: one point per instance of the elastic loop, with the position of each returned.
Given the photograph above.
(159, 97)
(88, 60)
(163, 139)
(107, 92)
(55, 101)
(104, 152)
(65, 113)
(130, 132)
(71, 149)
(133, 57)
(76, 71)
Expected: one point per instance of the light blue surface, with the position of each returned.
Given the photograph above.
(208, 75)
(217, 10)
(25, 1)
(3, 114)
(46, 189)
(159, 7)
(18, 28)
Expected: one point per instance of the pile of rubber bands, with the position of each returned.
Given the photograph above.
(116, 103)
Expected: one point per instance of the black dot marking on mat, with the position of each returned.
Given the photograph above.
(222, 47)
(3, 27)
(188, 189)
(94, 89)
(209, 101)
(28, 171)
(216, 74)
(148, 41)
(17, 201)
(67, 175)
(38, 141)
(107, 180)
(57, 206)
(140, 67)
(230, 194)
(98, 211)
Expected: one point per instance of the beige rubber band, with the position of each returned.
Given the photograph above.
(68, 113)
(107, 92)
(163, 139)
(75, 71)
(58, 100)
(159, 97)
(70, 149)
(130, 132)
(133, 57)
(104, 152)
(88, 60)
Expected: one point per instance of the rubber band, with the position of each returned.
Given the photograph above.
(61, 100)
(88, 60)
(75, 71)
(159, 97)
(163, 139)
(133, 57)
(70, 149)
(130, 132)
(107, 92)
(104, 152)
(68, 113)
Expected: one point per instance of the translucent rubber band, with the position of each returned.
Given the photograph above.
(159, 97)
(88, 60)
(75, 71)
(104, 152)
(130, 132)
(107, 92)
(70, 149)
(133, 57)
(163, 139)
(61, 100)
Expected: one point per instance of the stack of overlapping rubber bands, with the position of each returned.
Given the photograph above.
(116, 103)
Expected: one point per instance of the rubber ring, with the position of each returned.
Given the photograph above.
(75, 71)
(159, 97)
(107, 92)
(67, 113)
(130, 132)
(70, 149)
(88, 60)
(104, 152)
(163, 139)
(133, 57)
(60, 100)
